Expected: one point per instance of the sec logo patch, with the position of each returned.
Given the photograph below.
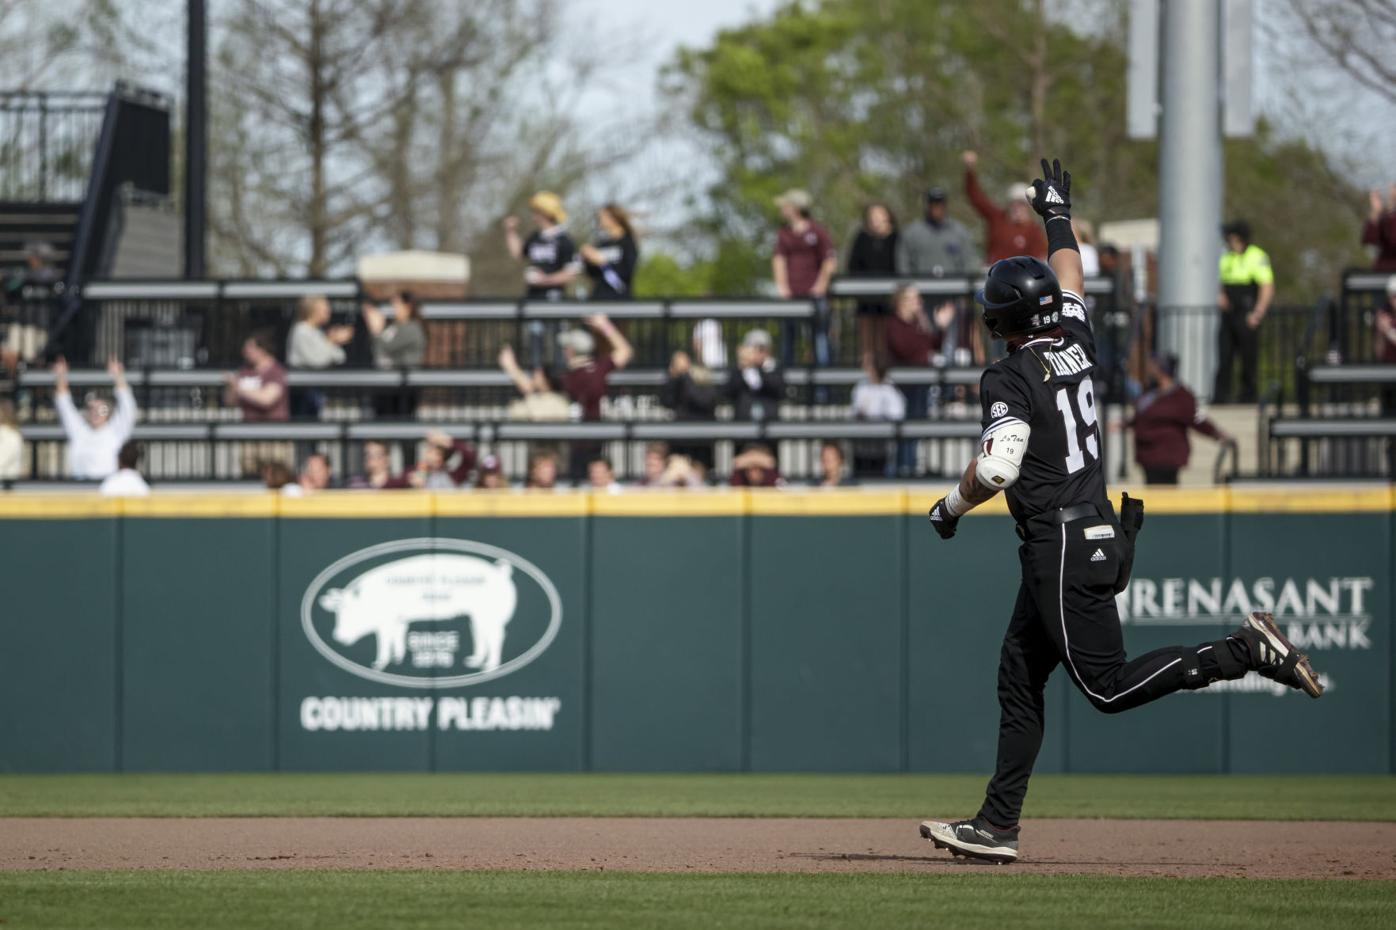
(999, 409)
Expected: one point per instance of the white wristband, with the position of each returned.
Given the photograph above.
(955, 504)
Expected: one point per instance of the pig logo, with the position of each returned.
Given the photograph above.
(420, 610)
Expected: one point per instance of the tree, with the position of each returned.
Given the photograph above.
(1356, 36)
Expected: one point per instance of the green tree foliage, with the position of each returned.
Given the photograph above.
(860, 100)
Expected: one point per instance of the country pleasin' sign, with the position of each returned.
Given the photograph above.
(431, 613)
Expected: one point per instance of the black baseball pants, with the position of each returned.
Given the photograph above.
(1065, 615)
(1235, 337)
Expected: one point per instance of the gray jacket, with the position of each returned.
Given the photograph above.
(923, 249)
(400, 345)
(309, 347)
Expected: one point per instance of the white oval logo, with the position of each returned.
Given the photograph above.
(443, 614)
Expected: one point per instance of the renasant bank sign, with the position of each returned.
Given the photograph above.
(430, 613)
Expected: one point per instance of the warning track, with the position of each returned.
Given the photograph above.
(1251, 849)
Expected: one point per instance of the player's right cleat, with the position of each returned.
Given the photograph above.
(1275, 657)
(973, 838)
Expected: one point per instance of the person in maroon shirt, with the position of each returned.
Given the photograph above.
(802, 265)
(585, 381)
(1162, 417)
(755, 468)
(259, 387)
(1380, 229)
(1012, 230)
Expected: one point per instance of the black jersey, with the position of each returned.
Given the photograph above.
(1046, 383)
(549, 251)
(611, 279)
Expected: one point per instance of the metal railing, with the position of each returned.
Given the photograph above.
(47, 141)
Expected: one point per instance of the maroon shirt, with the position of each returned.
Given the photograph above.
(256, 413)
(586, 384)
(1386, 349)
(804, 253)
(1381, 232)
(1161, 422)
(909, 344)
(755, 478)
(1005, 238)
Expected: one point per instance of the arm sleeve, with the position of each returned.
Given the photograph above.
(403, 345)
(311, 348)
(1199, 420)
(901, 261)
(1005, 397)
(826, 244)
(123, 418)
(73, 423)
(980, 200)
(1261, 272)
(772, 385)
(567, 253)
(1076, 319)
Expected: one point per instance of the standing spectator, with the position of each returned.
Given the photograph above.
(312, 346)
(601, 475)
(755, 388)
(538, 402)
(259, 387)
(97, 434)
(690, 393)
(937, 245)
(1011, 229)
(873, 255)
(11, 444)
(802, 265)
(1162, 417)
(1247, 287)
(549, 254)
(378, 470)
(1380, 229)
(542, 470)
(832, 473)
(611, 261)
(126, 481)
(755, 467)
(586, 380)
(875, 398)
(491, 474)
(914, 341)
(397, 345)
(445, 465)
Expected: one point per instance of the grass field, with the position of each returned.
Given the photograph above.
(374, 900)
(1337, 797)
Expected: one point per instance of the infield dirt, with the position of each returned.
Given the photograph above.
(1251, 849)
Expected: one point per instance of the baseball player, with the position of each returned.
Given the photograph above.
(1041, 447)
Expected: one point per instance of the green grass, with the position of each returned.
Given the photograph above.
(616, 901)
(1336, 797)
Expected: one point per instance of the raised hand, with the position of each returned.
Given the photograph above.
(1050, 195)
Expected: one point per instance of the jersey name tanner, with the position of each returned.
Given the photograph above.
(1070, 361)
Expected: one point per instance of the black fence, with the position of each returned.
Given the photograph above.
(46, 144)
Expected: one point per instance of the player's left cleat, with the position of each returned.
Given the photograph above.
(1275, 657)
(973, 838)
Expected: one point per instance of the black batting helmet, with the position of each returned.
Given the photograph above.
(1020, 296)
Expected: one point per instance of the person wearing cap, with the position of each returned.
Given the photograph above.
(549, 254)
(937, 244)
(1011, 229)
(873, 255)
(586, 379)
(1247, 287)
(490, 476)
(1163, 414)
(803, 263)
(755, 388)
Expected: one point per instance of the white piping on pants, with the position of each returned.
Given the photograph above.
(1061, 612)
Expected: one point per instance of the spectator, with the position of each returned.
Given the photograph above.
(586, 378)
(755, 388)
(549, 254)
(542, 470)
(1386, 326)
(315, 473)
(397, 345)
(755, 467)
(601, 475)
(27, 294)
(802, 265)
(689, 392)
(875, 398)
(539, 401)
(126, 481)
(938, 244)
(1247, 287)
(1162, 417)
(610, 263)
(378, 470)
(1085, 239)
(445, 465)
(259, 387)
(312, 346)
(11, 444)
(97, 434)
(491, 474)
(832, 473)
(873, 255)
(656, 460)
(1380, 229)
(277, 476)
(1011, 229)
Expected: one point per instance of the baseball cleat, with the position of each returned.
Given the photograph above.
(973, 838)
(1275, 657)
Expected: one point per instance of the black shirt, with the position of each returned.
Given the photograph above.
(550, 251)
(1046, 383)
(611, 280)
(873, 256)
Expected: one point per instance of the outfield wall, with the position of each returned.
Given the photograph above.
(722, 631)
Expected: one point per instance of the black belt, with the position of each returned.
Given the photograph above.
(1060, 516)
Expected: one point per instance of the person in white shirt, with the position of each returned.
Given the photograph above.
(11, 443)
(126, 481)
(314, 344)
(875, 398)
(98, 433)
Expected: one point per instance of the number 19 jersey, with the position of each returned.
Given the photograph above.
(1046, 383)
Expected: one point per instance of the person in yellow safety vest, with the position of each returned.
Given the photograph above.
(1247, 287)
